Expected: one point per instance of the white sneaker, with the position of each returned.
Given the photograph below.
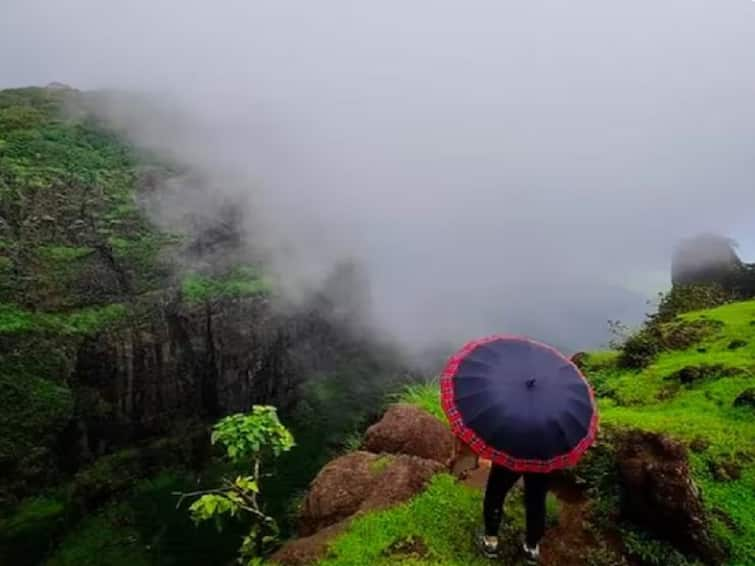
(532, 552)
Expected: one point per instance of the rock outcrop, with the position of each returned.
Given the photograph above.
(406, 429)
(710, 259)
(118, 324)
(406, 448)
(659, 494)
(359, 482)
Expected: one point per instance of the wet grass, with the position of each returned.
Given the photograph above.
(701, 411)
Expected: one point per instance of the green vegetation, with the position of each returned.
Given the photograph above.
(701, 411)
(32, 411)
(380, 465)
(698, 410)
(424, 396)
(64, 253)
(31, 530)
(81, 322)
(249, 440)
(144, 528)
(240, 282)
(41, 147)
(435, 528)
(447, 542)
(75, 250)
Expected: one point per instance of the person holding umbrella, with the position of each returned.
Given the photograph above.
(526, 408)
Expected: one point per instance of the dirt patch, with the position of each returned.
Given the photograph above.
(566, 543)
(478, 477)
(725, 469)
(410, 547)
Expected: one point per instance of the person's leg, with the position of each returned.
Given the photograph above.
(500, 481)
(535, 492)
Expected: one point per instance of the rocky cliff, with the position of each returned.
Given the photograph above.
(110, 335)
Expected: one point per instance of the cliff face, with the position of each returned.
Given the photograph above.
(708, 259)
(180, 362)
(106, 339)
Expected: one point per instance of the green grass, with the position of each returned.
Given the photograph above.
(442, 521)
(652, 400)
(29, 534)
(64, 253)
(241, 282)
(425, 396)
(444, 518)
(146, 528)
(380, 465)
(109, 537)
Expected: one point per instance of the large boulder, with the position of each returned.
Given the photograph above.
(406, 429)
(659, 494)
(359, 482)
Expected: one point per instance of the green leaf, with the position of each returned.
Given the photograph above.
(247, 484)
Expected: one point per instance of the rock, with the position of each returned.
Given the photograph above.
(659, 494)
(307, 550)
(359, 482)
(703, 260)
(746, 398)
(406, 429)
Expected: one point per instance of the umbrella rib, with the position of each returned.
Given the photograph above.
(477, 415)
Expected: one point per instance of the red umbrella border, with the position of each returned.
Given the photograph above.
(478, 445)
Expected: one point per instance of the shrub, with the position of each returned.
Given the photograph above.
(641, 349)
(687, 298)
(249, 440)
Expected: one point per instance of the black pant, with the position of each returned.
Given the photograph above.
(500, 481)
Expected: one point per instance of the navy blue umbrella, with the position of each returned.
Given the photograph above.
(519, 403)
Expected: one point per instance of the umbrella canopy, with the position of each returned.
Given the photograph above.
(519, 403)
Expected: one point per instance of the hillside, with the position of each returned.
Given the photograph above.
(122, 340)
(700, 394)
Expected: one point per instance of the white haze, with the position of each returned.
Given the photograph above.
(495, 165)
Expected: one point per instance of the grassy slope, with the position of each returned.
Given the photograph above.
(446, 514)
(435, 528)
(702, 410)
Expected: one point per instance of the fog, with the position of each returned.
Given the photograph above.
(494, 166)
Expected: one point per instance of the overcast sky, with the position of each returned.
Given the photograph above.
(496, 165)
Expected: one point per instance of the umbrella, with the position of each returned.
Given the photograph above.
(519, 403)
